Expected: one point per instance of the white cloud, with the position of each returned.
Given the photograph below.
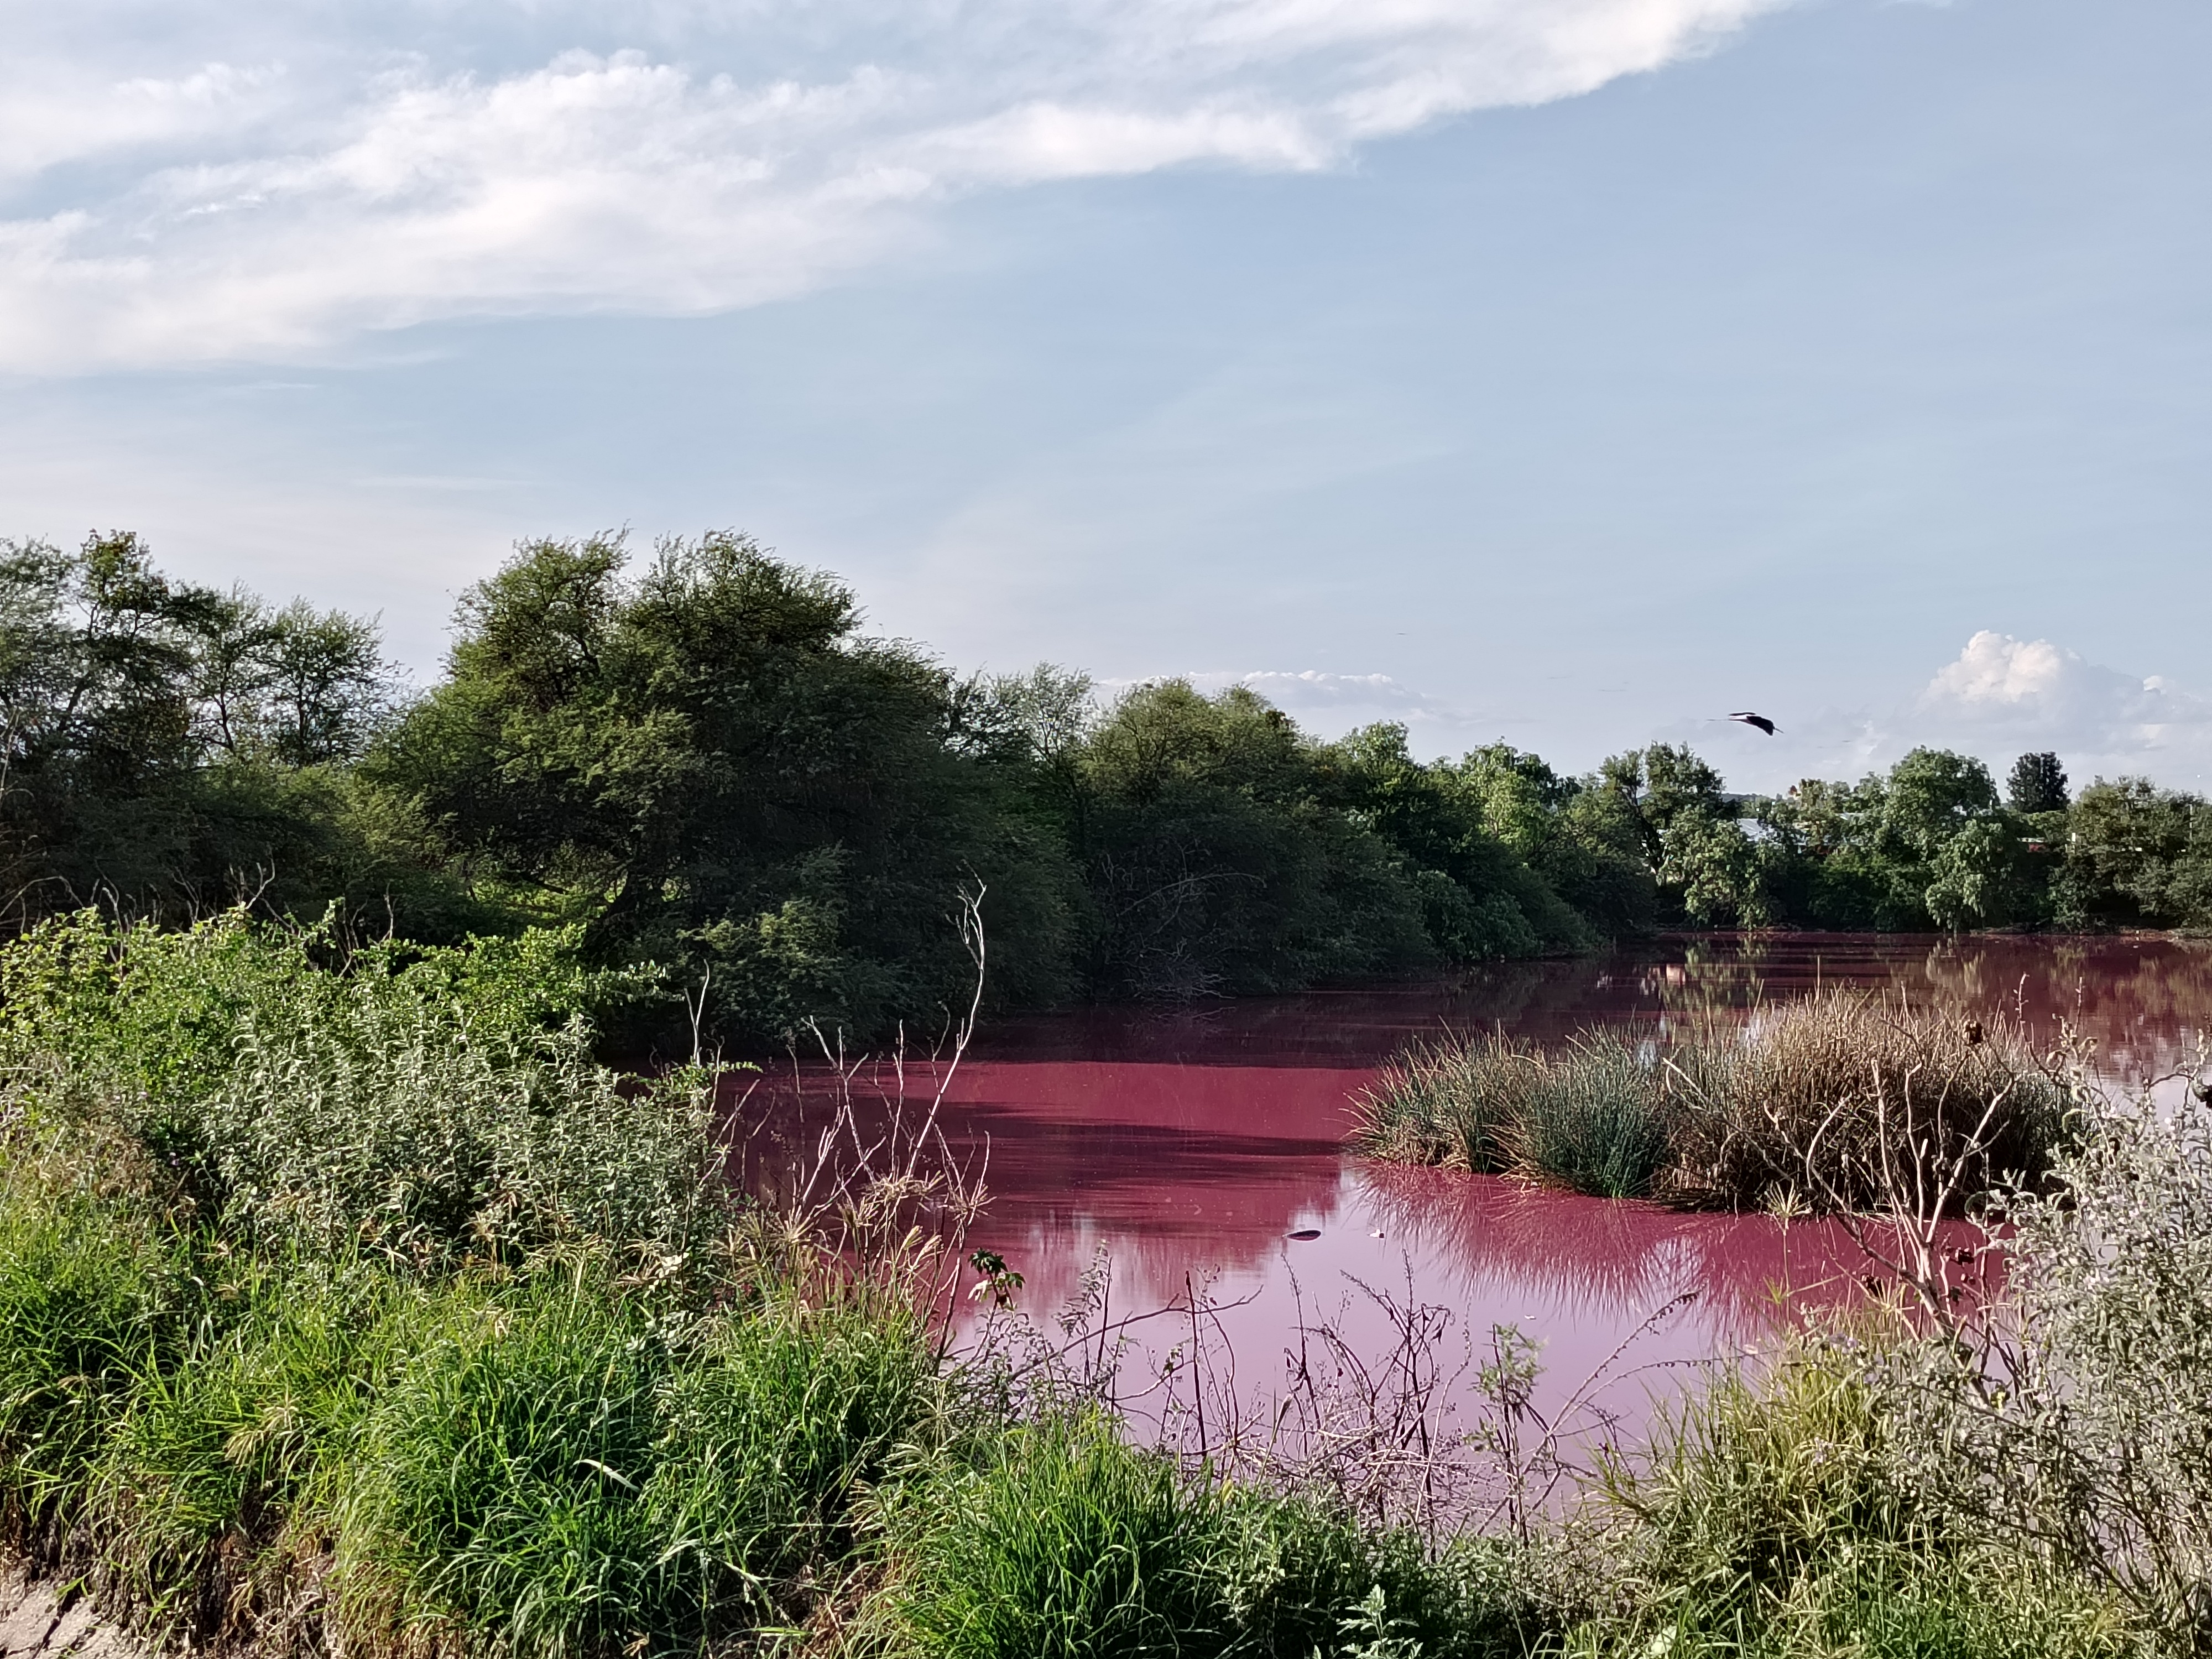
(193, 184)
(2031, 694)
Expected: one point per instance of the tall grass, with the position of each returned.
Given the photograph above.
(1767, 1520)
(1593, 1122)
(1835, 1101)
(1061, 1541)
(358, 1299)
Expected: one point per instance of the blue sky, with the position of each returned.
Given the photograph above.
(1566, 371)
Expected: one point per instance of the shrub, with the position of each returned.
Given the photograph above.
(2078, 1417)
(562, 1472)
(302, 1265)
(1062, 1540)
(1850, 1102)
(427, 1105)
(1769, 1519)
(1065, 1543)
(88, 1301)
(1451, 1103)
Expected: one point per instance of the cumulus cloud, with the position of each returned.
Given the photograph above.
(1999, 698)
(2003, 691)
(189, 183)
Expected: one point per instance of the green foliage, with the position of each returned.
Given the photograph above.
(2037, 783)
(370, 1262)
(1225, 851)
(701, 759)
(1767, 1521)
(709, 764)
(2136, 856)
(572, 1475)
(426, 1105)
(1452, 1103)
(1593, 1118)
(2084, 1426)
(1487, 895)
(1213, 863)
(165, 747)
(1595, 1122)
(1583, 836)
(1928, 846)
(1063, 1542)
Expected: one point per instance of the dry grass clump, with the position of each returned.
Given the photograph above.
(1844, 1101)
(1839, 1102)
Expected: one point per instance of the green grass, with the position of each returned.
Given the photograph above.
(1594, 1121)
(1768, 1523)
(1061, 1541)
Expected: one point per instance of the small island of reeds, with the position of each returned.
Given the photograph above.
(1841, 1101)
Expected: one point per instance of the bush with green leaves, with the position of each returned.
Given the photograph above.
(345, 1296)
(423, 1104)
(168, 748)
(1768, 1518)
(574, 1473)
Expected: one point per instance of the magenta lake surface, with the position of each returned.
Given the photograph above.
(1186, 1149)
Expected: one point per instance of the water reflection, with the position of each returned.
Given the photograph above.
(1189, 1144)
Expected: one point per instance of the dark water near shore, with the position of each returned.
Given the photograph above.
(1183, 1148)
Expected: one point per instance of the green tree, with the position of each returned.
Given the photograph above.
(1583, 836)
(1485, 894)
(1214, 863)
(165, 747)
(1708, 869)
(2137, 855)
(709, 763)
(2037, 783)
(1944, 833)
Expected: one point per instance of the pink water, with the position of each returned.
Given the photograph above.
(1185, 1149)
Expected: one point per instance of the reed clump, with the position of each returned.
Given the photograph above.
(1838, 1101)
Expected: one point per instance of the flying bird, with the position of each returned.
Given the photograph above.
(1759, 720)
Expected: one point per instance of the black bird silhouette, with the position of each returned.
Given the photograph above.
(1759, 720)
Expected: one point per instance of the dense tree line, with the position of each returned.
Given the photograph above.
(700, 759)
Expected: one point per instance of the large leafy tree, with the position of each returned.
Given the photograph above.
(1215, 862)
(2137, 855)
(709, 762)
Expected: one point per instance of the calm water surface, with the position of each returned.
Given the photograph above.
(1183, 1149)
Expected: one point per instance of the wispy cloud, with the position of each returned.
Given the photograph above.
(191, 185)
